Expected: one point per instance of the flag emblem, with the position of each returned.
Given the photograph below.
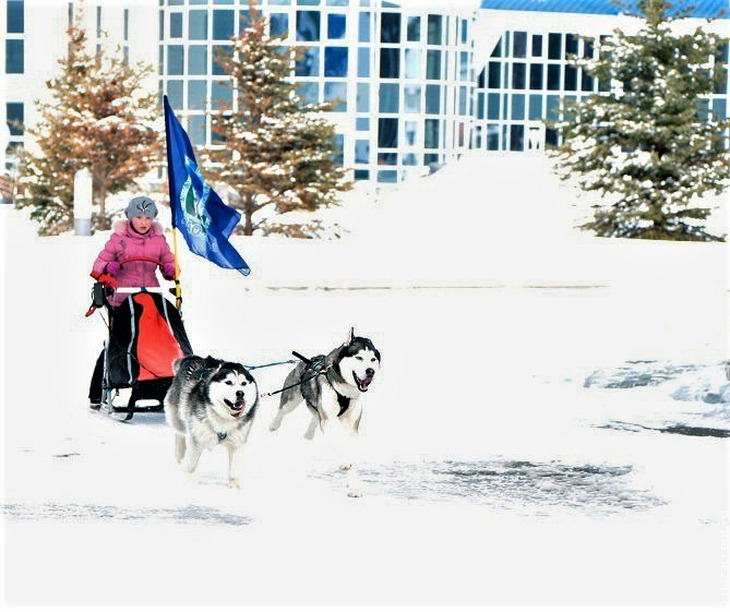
(193, 200)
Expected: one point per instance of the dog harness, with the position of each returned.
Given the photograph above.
(311, 391)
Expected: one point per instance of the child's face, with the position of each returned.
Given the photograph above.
(142, 224)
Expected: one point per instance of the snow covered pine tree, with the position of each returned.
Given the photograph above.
(97, 119)
(278, 152)
(648, 141)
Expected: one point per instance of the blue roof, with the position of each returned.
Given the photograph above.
(702, 8)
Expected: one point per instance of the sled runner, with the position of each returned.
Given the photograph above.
(146, 335)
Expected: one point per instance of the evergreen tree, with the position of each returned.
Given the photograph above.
(648, 143)
(97, 119)
(278, 151)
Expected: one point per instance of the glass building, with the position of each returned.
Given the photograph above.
(418, 82)
(402, 76)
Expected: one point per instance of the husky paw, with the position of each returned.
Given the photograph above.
(234, 483)
(345, 467)
(353, 493)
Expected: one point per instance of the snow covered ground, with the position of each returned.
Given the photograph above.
(549, 428)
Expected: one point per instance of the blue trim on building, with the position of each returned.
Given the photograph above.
(702, 8)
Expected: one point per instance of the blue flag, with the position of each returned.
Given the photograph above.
(198, 212)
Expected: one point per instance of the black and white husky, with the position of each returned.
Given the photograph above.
(211, 402)
(333, 387)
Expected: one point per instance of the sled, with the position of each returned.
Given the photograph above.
(146, 336)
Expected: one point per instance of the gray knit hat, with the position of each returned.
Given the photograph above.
(141, 206)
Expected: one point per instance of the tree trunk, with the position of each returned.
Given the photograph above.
(102, 206)
(248, 209)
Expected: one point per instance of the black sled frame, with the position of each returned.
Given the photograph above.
(146, 396)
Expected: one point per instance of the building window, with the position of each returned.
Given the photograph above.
(309, 92)
(494, 74)
(537, 45)
(493, 106)
(518, 107)
(175, 57)
(390, 63)
(14, 116)
(433, 64)
(363, 62)
(517, 138)
(14, 57)
(520, 44)
(553, 77)
(364, 27)
(308, 26)
(220, 51)
(279, 24)
(389, 93)
(431, 134)
(411, 133)
(337, 91)
(362, 151)
(336, 26)
(363, 98)
(414, 29)
(175, 94)
(197, 59)
(176, 25)
(196, 94)
(196, 129)
(412, 99)
(223, 25)
(221, 95)
(571, 45)
(518, 76)
(413, 63)
(244, 19)
(571, 78)
(434, 29)
(335, 61)
(390, 28)
(388, 133)
(535, 107)
(308, 64)
(536, 76)
(362, 124)
(198, 28)
(554, 46)
(387, 176)
(433, 99)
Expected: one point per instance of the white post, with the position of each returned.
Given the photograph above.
(82, 202)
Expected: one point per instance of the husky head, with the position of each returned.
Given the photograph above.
(358, 361)
(232, 391)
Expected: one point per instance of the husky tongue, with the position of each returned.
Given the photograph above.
(364, 383)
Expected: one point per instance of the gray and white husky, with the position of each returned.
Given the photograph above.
(211, 402)
(333, 387)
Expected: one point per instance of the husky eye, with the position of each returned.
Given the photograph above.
(358, 357)
(373, 360)
(244, 383)
(228, 382)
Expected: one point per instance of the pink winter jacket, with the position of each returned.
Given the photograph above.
(126, 244)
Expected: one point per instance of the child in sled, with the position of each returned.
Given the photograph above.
(140, 236)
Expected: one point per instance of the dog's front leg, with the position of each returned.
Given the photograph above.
(341, 442)
(193, 451)
(235, 466)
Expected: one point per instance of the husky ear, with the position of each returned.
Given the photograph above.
(351, 337)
